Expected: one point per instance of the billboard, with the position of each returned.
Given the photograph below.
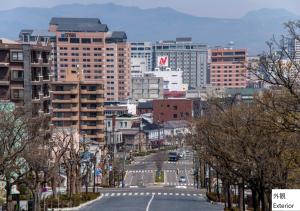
(162, 61)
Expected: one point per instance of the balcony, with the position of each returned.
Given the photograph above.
(70, 100)
(73, 109)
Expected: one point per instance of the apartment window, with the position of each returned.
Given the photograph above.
(63, 39)
(86, 40)
(175, 107)
(17, 56)
(17, 74)
(174, 116)
(74, 40)
(74, 49)
(97, 40)
(97, 49)
(86, 49)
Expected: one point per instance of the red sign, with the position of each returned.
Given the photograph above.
(163, 61)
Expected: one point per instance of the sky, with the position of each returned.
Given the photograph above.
(203, 8)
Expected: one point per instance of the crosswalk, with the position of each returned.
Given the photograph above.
(120, 194)
(178, 184)
(140, 171)
(153, 171)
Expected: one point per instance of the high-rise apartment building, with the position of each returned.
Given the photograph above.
(25, 74)
(138, 67)
(183, 54)
(228, 68)
(87, 44)
(79, 103)
(143, 50)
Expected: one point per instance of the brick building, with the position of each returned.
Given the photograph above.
(172, 109)
(86, 43)
(79, 103)
(228, 68)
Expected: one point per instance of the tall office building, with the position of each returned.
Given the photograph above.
(143, 50)
(183, 54)
(228, 68)
(79, 103)
(25, 74)
(87, 44)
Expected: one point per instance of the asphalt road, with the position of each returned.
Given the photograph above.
(142, 172)
(152, 199)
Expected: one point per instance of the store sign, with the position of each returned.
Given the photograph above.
(162, 61)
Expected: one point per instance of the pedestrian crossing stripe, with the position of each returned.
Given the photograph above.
(153, 193)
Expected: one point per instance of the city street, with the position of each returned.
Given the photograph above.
(142, 193)
(142, 172)
(156, 199)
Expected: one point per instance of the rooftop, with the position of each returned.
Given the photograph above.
(145, 105)
(7, 41)
(79, 24)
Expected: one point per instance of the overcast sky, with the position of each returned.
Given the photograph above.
(209, 8)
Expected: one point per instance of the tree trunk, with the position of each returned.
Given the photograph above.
(54, 185)
(36, 199)
(229, 196)
(255, 200)
(241, 197)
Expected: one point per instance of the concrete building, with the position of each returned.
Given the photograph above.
(228, 68)
(172, 109)
(173, 79)
(79, 103)
(183, 54)
(25, 74)
(143, 50)
(297, 49)
(87, 44)
(138, 67)
(147, 87)
(144, 107)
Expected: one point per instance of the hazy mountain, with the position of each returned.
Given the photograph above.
(250, 31)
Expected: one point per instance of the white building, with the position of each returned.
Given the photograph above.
(143, 50)
(138, 67)
(173, 79)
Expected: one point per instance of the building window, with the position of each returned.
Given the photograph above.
(17, 56)
(63, 39)
(174, 116)
(74, 40)
(97, 40)
(85, 40)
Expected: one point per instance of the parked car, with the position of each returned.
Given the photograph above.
(182, 179)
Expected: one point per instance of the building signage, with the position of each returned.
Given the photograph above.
(162, 61)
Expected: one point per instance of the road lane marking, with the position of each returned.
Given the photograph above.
(171, 194)
(135, 194)
(194, 194)
(118, 194)
(165, 194)
(159, 194)
(130, 194)
(177, 194)
(142, 193)
(124, 194)
(107, 194)
(183, 194)
(147, 193)
(188, 194)
(112, 194)
(149, 203)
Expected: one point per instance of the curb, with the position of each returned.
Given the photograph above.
(80, 206)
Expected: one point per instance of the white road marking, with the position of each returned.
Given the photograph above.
(112, 194)
(135, 194)
(171, 194)
(118, 194)
(194, 194)
(147, 193)
(107, 194)
(183, 194)
(177, 194)
(149, 203)
(142, 194)
(159, 194)
(165, 194)
(124, 194)
(129, 194)
(188, 194)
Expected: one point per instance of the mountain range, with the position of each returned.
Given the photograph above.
(250, 31)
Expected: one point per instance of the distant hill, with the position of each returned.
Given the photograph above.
(250, 31)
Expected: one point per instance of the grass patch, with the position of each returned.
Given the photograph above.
(65, 201)
(159, 177)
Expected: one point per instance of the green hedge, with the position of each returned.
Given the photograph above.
(66, 201)
(159, 176)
